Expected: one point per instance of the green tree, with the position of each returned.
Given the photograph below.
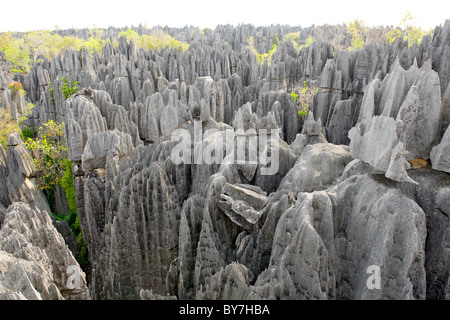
(72, 218)
(17, 54)
(38, 43)
(156, 40)
(358, 30)
(129, 35)
(93, 44)
(49, 153)
(205, 31)
(406, 30)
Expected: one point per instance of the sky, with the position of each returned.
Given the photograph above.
(28, 15)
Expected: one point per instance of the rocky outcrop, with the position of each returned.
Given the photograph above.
(243, 204)
(405, 115)
(167, 208)
(21, 172)
(35, 262)
(440, 154)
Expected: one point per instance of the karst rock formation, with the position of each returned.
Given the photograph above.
(346, 194)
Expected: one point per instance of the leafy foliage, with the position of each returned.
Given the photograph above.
(294, 37)
(35, 45)
(16, 53)
(49, 151)
(303, 98)
(15, 86)
(261, 57)
(358, 30)
(406, 30)
(7, 127)
(72, 218)
(69, 90)
(157, 40)
(50, 157)
(28, 133)
(205, 31)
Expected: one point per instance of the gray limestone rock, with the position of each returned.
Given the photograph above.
(319, 243)
(35, 262)
(21, 171)
(318, 166)
(99, 146)
(228, 230)
(84, 119)
(440, 154)
(243, 204)
(377, 143)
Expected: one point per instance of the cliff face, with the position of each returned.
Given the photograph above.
(35, 260)
(344, 195)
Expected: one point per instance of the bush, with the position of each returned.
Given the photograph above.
(261, 57)
(68, 90)
(358, 30)
(15, 86)
(406, 30)
(28, 133)
(303, 98)
(50, 157)
(7, 126)
(49, 153)
(72, 218)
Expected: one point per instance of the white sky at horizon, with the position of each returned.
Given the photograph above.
(28, 15)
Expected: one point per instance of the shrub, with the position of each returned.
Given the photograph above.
(303, 98)
(49, 152)
(406, 30)
(68, 186)
(68, 90)
(294, 38)
(261, 57)
(358, 30)
(28, 133)
(72, 218)
(7, 126)
(15, 86)
(50, 157)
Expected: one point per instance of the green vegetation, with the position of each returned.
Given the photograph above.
(303, 98)
(361, 34)
(358, 30)
(72, 218)
(49, 153)
(69, 90)
(294, 37)
(28, 133)
(7, 127)
(261, 57)
(34, 45)
(15, 53)
(407, 31)
(15, 86)
(205, 31)
(158, 39)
